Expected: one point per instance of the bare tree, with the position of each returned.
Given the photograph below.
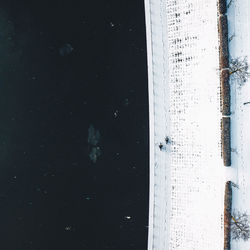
(240, 226)
(229, 4)
(231, 37)
(234, 184)
(238, 68)
(168, 140)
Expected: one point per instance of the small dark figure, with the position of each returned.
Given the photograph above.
(161, 146)
(167, 140)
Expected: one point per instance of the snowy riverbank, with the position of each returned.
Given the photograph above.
(187, 173)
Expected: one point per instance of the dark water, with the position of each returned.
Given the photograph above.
(68, 71)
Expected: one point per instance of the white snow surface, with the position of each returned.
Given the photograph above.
(187, 176)
(238, 22)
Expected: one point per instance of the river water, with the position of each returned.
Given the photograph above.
(74, 125)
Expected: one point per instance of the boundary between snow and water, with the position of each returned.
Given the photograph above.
(151, 119)
(186, 177)
(156, 72)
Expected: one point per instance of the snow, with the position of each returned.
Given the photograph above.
(239, 21)
(187, 177)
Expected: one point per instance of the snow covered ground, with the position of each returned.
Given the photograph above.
(239, 25)
(187, 173)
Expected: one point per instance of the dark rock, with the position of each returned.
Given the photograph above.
(226, 140)
(223, 36)
(227, 215)
(225, 92)
(222, 5)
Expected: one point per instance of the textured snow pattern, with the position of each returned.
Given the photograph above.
(187, 174)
